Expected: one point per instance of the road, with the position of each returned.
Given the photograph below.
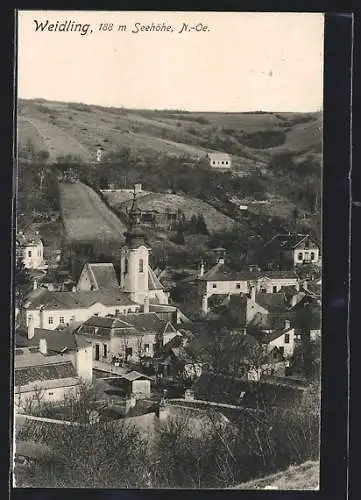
(86, 217)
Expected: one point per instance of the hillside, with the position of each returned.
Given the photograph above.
(299, 477)
(74, 129)
(215, 220)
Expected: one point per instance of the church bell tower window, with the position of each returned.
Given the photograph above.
(141, 265)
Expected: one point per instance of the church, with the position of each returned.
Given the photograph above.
(100, 292)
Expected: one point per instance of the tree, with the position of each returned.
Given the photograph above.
(201, 226)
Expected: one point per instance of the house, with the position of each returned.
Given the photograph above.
(290, 250)
(128, 337)
(49, 365)
(49, 309)
(219, 160)
(222, 280)
(30, 250)
(280, 342)
(261, 309)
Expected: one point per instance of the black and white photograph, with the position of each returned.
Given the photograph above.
(167, 250)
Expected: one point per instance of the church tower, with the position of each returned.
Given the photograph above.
(134, 259)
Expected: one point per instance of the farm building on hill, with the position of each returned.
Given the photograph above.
(220, 160)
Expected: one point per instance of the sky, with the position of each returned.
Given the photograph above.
(240, 62)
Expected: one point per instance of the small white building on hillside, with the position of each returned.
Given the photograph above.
(30, 250)
(219, 160)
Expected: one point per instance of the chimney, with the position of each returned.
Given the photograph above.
(43, 346)
(253, 293)
(35, 284)
(201, 269)
(287, 324)
(146, 304)
(31, 329)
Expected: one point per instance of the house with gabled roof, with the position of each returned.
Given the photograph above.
(222, 280)
(48, 364)
(128, 337)
(292, 249)
(49, 309)
(30, 250)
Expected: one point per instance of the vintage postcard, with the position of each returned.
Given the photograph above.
(168, 250)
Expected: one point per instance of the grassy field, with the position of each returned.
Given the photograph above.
(86, 217)
(298, 477)
(77, 129)
(215, 220)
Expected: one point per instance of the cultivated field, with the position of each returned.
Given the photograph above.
(215, 221)
(86, 217)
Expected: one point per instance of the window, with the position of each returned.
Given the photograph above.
(72, 318)
(214, 285)
(312, 255)
(146, 347)
(300, 256)
(128, 351)
(61, 319)
(105, 350)
(29, 253)
(50, 320)
(117, 311)
(213, 162)
(30, 319)
(238, 285)
(50, 393)
(141, 265)
(222, 162)
(274, 289)
(226, 162)
(287, 338)
(125, 266)
(281, 350)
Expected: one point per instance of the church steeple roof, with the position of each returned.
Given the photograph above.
(134, 237)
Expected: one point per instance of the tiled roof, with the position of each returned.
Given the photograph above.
(146, 322)
(278, 274)
(221, 272)
(266, 338)
(103, 275)
(290, 241)
(107, 322)
(134, 375)
(26, 375)
(57, 340)
(76, 300)
(219, 156)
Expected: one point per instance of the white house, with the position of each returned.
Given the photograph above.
(219, 160)
(290, 250)
(221, 280)
(128, 337)
(49, 365)
(30, 250)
